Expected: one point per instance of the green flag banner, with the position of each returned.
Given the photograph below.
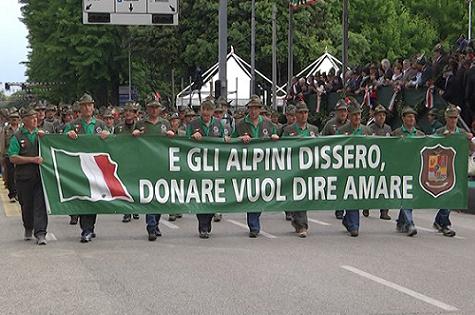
(152, 174)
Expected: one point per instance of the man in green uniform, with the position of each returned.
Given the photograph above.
(51, 123)
(405, 222)
(331, 128)
(381, 129)
(301, 128)
(40, 109)
(87, 124)
(108, 118)
(434, 123)
(254, 126)
(153, 125)
(127, 126)
(206, 125)
(24, 153)
(351, 219)
(442, 221)
(10, 130)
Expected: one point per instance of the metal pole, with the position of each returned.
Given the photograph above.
(223, 45)
(469, 20)
(290, 51)
(253, 47)
(345, 38)
(274, 57)
(130, 73)
(173, 87)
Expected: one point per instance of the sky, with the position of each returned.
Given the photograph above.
(13, 43)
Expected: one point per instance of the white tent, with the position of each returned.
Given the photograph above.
(323, 64)
(238, 79)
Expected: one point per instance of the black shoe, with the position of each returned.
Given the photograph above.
(41, 240)
(437, 226)
(411, 230)
(385, 216)
(339, 215)
(157, 232)
(127, 218)
(448, 232)
(217, 217)
(204, 234)
(28, 235)
(136, 216)
(74, 220)
(366, 213)
(86, 238)
(152, 236)
(171, 217)
(179, 216)
(253, 234)
(93, 235)
(288, 217)
(354, 233)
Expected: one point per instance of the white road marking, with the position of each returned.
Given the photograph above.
(244, 226)
(402, 289)
(319, 222)
(51, 237)
(169, 225)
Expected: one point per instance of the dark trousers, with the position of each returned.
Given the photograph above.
(152, 221)
(253, 221)
(33, 207)
(11, 186)
(300, 220)
(442, 218)
(87, 223)
(351, 220)
(204, 222)
(405, 218)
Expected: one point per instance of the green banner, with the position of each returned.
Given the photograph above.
(152, 174)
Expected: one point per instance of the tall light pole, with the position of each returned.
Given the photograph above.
(290, 52)
(253, 47)
(345, 38)
(223, 46)
(274, 56)
(469, 20)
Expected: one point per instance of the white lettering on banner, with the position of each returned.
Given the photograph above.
(270, 159)
(181, 191)
(314, 188)
(254, 189)
(377, 187)
(173, 158)
(340, 156)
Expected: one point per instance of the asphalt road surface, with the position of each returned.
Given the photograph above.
(120, 272)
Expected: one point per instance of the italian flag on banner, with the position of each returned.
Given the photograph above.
(88, 176)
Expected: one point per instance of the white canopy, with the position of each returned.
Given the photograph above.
(323, 64)
(238, 79)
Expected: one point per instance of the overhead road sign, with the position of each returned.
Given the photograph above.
(130, 12)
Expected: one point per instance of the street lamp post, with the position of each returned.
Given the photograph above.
(469, 20)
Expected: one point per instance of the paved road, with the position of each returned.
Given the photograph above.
(380, 272)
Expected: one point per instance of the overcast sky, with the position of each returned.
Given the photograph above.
(13, 42)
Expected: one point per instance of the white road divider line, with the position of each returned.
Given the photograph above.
(244, 226)
(169, 225)
(51, 237)
(319, 222)
(401, 289)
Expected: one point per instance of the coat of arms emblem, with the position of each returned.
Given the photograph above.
(437, 175)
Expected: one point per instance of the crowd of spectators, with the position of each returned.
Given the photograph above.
(450, 74)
